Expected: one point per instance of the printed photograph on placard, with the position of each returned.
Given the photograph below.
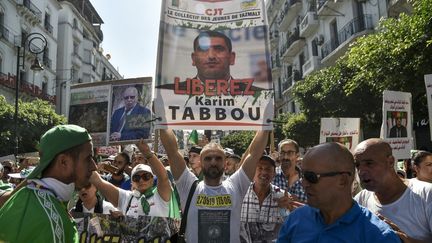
(130, 113)
(396, 124)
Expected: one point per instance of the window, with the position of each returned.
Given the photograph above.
(47, 23)
(45, 86)
(75, 48)
(75, 24)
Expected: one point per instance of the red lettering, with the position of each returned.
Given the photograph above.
(210, 88)
(177, 89)
(197, 87)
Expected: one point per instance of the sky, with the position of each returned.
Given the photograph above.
(131, 29)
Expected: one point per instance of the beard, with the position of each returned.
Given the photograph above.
(213, 172)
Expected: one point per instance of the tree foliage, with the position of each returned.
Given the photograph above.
(239, 141)
(34, 119)
(396, 57)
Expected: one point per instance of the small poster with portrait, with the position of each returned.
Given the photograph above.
(345, 131)
(114, 112)
(428, 84)
(396, 128)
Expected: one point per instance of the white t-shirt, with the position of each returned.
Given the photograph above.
(106, 206)
(158, 207)
(412, 212)
(214, 211)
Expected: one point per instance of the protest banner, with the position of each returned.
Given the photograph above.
(114, 112)
(213, 68)
(105, 228)
(396, 128)
(428, 84)
(259, 231)
(342, 130)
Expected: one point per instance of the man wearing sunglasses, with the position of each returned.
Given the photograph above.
(144, 199)
(407, 204)
(214, 211)
(121, 129)
(331, 215)
(287, 174)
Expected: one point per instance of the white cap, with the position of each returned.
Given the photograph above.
(141, 167)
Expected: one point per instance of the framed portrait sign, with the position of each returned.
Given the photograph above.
(114, 112)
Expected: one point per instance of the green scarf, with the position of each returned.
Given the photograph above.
(144, 199)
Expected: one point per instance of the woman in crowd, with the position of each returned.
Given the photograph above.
(423, 165)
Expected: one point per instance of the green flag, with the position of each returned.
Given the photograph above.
(193, 137)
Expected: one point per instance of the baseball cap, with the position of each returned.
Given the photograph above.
(140, 168)
(55, 141)
(269, 159)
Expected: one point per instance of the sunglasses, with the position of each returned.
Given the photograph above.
(145, 176)
(131, 97)
(313, 177)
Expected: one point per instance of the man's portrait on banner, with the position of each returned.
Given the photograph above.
(396, 124)
(130, 116)
(213, 57)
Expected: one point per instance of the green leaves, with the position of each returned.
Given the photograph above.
(34, 119)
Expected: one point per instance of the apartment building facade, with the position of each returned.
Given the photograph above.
(72, 54)
(307, 35)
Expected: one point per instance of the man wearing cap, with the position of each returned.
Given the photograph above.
(145, 199)
(264, 202)
(37, 212)
(195, 161)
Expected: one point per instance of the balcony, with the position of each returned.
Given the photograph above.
(290, 81)
(309, 24)
(47, 62)
(288, 13)
(293, 45)
(275, 63)
(334, 48)
(48, 27)
(311, 65)
(272, 9)
(396, 7)
(36, 91)
(274, 37)
(327, 7)
(29, 11)
(6, 35)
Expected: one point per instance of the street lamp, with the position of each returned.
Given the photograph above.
(36, 66)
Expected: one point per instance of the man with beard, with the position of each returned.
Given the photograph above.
(214, 211)
(287, 174)
(331, 215)
(37, 212)
(119, 177)
(406, 203)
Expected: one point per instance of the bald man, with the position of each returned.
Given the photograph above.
(331, 215)
(406, 203)
(129, 121)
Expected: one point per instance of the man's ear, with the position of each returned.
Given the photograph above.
(64, 161)
(391, 160)
(232, 58)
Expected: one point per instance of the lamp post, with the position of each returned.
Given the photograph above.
(36, 66)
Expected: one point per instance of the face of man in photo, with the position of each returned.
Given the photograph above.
(130, 98)
(212, 58)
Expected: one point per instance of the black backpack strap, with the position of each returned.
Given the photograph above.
(186, 209)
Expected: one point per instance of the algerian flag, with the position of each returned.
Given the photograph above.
(193, 137)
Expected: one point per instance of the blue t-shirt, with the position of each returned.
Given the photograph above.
(306, 224)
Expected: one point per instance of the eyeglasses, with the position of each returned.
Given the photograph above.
(130, 97)
(313, 177)
(210, 158)
(145, 176)
(289, 152)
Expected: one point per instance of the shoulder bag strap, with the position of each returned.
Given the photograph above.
(186, 209)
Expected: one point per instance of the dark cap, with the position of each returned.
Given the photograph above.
(195, 149)
(269, 159)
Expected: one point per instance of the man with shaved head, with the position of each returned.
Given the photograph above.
(406, 203)
(331, 215)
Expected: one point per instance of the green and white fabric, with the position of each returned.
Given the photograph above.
(36, 215)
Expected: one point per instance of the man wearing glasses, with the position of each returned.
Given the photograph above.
(331, 215)
(127, 121)
(406, 203)
(214, 211)
(287, 174)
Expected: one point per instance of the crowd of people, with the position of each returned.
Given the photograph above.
(329, 195)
